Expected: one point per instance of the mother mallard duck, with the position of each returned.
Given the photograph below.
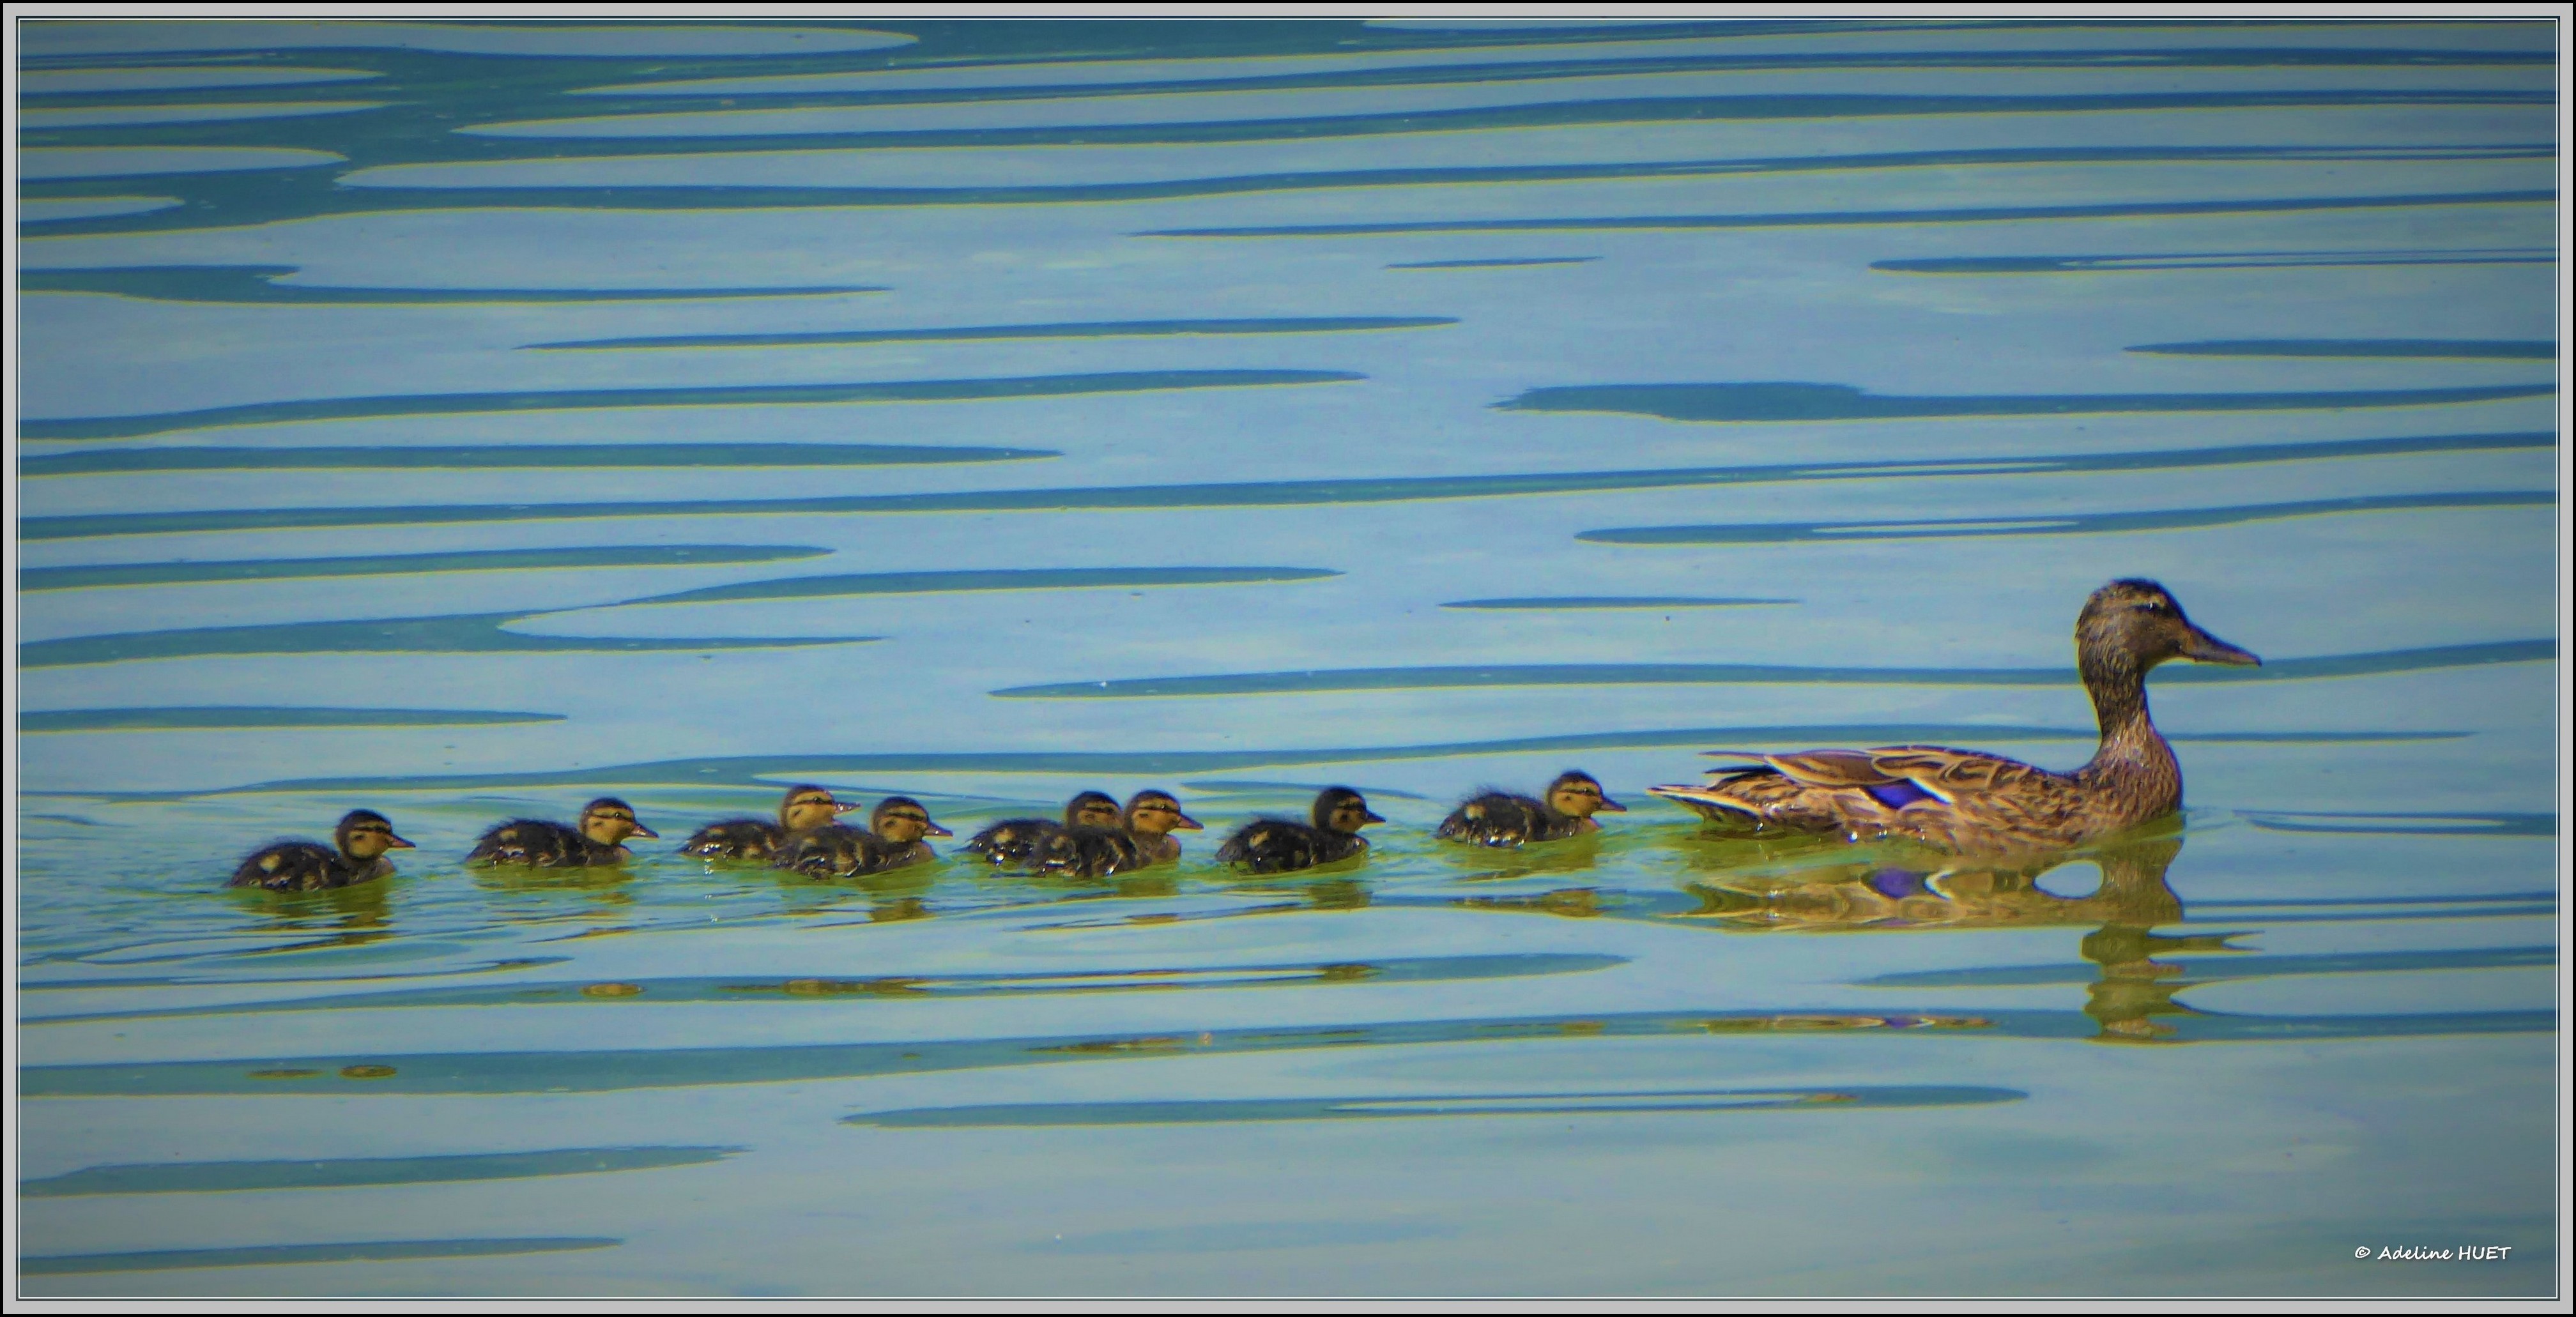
(1964, 801)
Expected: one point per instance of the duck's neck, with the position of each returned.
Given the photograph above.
(2133, 763)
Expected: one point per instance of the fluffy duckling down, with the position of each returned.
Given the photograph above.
(1142, 838)
(1151, 817)
(1281, 846)
(893, 840)
(596, 838)
(356, 855)
(804, 809)
(1498, 818)
(1016, 842)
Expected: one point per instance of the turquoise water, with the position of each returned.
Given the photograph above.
(462, 421)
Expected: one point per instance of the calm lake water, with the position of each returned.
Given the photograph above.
(466, 421)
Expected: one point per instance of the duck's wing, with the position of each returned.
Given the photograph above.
(1959, 799)
(1935, 770)
(1949, 773)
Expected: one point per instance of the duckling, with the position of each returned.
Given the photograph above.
(361, 840)
(1016, 841)
(1963, 801)
(806, 807)
(892, 841)
(1143, 838)
(595, 839)
(1279, 846)
(1151, 817)
(1496, 818)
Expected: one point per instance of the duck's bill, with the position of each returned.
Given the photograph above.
(1613, 806)
(2206, 648)
(642, 831)
(934, 830)
(1371, 816)
(844, 806)
(1188, 824)
(398, 844)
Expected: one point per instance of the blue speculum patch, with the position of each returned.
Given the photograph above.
(464, 420)
(1897, 795)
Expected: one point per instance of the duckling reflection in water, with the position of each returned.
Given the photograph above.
(595, 839)
(1498, 818)
(1144, 838)
(1963, 801)
(1280, 846)
(1886, 896)
(356, 855)
(804, 809)
(1016, 841)
(892, 841)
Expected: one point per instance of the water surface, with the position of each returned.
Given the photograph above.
(466, 419)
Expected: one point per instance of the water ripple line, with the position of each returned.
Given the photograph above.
(1836, 219)
(1272, 493)
(618, 1070)
(740, 395)
(1461, 676)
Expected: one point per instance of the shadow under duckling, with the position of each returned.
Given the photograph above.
(1281, 846)
(356, 855)
(1016, 842)
(1142, 838)
(893, 840)
(596, 838)
(1498, 818)
(804, 809)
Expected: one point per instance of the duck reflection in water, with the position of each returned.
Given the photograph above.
(580, 894)
(1889, 895)
(349, 916)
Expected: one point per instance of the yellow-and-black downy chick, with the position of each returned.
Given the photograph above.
(1499, 818)
(893, 840)
(803, 809)
(1280, 846)
(595, 839)
(356, 855)
(1015, 842)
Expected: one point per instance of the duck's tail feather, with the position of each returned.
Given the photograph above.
(1710, 802)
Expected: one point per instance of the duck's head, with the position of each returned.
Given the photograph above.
(1340, 809)
(811, 807)
(1091, 809)
(2137, 625)
(1156, 814)
(364, 834)
(609, 821)
(903, 821)
(1578, 795)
